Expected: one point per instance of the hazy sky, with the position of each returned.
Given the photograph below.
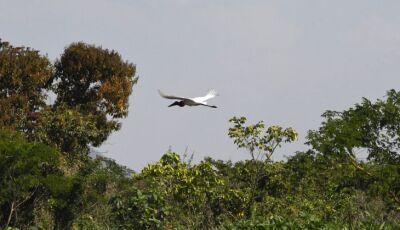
(284, 62)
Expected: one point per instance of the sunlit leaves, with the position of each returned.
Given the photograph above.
(257, 139)
(200, 189)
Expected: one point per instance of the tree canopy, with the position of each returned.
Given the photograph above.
(25, 75)
(373, 127)
(48, 181)
(91, 86)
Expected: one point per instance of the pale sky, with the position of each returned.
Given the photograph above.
(284, 62)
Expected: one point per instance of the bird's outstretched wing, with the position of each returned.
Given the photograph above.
(170, 96)
(211, 94)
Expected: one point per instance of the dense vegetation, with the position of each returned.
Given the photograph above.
(48, 180)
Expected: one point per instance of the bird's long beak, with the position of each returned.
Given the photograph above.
(175, 103)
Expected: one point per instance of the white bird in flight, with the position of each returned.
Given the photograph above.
(182, 101)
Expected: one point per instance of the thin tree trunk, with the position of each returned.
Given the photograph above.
(10, 215)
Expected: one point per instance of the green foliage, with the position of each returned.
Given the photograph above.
(34, 190)
(71, 131)
(24, 168)
(197, 190)
(85, 198)
(42, 187)
(261, 143)
(138, 210)
(258, 140)
(374, 127)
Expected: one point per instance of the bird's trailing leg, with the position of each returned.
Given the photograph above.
(211, 106)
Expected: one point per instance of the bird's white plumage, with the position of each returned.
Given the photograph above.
(211, 94)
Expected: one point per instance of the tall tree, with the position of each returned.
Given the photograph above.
(260, 142)
(96, 80)
(370, 126)
(93, 85)
(24, 78)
